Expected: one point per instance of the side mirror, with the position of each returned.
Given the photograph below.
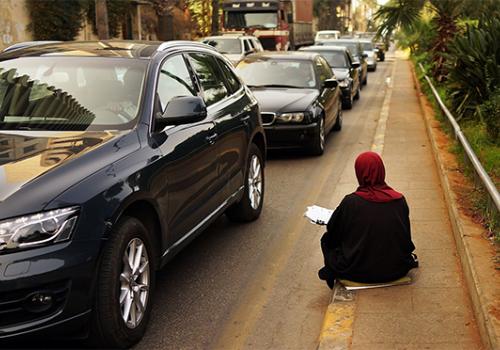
(331, 83)
(182, 110)
(355, 65)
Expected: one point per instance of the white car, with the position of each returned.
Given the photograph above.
(326, 35)
(371, 54)
(234, 47)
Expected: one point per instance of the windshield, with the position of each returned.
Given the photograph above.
(326, 36)
(353, 47)
(238, 20)
(225, 46)
(70, 93)
(279, 73)
(367, 46)
(335, 59)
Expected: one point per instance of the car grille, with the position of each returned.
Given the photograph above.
(268, 118)
(18, 306)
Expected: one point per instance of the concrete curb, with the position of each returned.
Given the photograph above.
(480, 303)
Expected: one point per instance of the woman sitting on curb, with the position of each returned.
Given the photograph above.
(368, 236)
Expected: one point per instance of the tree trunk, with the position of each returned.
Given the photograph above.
(101, 19)
(215, 17)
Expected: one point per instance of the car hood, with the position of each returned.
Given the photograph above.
(341, 73)
(37, 166)
(278, 100)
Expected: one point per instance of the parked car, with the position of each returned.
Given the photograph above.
(113, 157)
(371, 54)
(234, 47)
(356, 50)
(326, 35)
(380, 47)
(345, 69)
(298, 95)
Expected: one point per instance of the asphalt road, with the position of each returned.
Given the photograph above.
(255, 285)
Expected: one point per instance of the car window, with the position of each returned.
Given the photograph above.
(232, 82)
(247, 45)
(256, 44)
(325, 72)
(174, 80)
(225, 45)
(210, 76)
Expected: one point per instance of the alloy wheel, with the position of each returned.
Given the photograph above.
(255, 182)
(135, 281)
(322, 133)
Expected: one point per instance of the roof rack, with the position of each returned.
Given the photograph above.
(26, 44)
(175, 43)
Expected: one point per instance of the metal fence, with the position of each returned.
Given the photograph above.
(480, 175)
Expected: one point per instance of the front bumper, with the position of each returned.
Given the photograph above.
(281, 136)
(62, 274)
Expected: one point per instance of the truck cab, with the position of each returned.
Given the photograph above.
(280, 25)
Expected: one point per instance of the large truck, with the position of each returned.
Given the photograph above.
(280, 25)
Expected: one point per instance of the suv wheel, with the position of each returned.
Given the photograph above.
(347, 104)
(338, 123)
(358, 93)
(124, 288)
(250, 206)
(318, 144)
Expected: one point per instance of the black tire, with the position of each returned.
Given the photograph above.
(317, 146)
(338, 123)
(244, 211)
(366, 80)
(108, 328)
(358, 93)
(347, 104)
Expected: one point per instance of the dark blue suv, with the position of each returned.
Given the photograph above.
(114, 156)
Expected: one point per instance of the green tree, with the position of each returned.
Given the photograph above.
(55, 19)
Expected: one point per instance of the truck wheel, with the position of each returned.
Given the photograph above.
(250, 206)
(125, 284)
(317, 146)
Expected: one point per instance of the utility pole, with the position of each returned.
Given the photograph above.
(101, 19)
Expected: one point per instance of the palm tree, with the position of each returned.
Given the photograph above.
(405, 14)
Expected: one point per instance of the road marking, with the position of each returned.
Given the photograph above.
(379, 138)
(336, 333)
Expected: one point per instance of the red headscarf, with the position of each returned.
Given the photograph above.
(370, 172)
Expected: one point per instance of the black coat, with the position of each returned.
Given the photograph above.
(367, 241)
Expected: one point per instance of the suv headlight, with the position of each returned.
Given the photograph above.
(38, 229)
(290, 117)
(344, 83)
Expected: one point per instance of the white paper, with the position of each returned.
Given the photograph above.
(318, 215)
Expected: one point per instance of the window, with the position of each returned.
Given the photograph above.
(210, 76)
(174, 81)
(325, 72)
(232, 82)
(247, 46)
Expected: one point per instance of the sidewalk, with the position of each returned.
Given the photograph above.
(435, 311)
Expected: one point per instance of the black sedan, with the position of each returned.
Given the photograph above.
(299, 97)
(113, 157)
(345, 68)
(354, 46)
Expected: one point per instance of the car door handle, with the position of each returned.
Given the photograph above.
(212, 138)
